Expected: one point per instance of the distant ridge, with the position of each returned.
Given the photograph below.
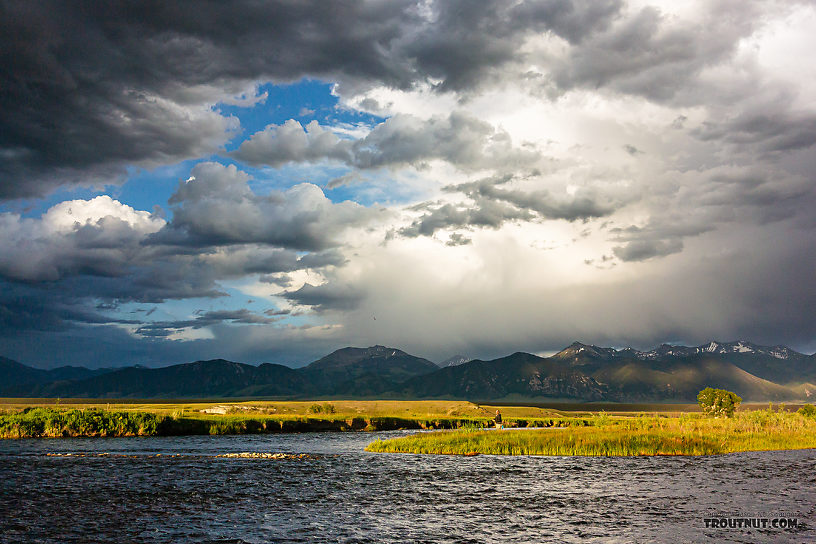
(14, 375)
(364, 371)
(778, 363)
(579, 372)
(519, 374)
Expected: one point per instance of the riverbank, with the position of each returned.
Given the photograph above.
(168, 419)
(50, 423)
(690, 434)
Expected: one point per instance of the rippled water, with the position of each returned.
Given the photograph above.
(343, 494)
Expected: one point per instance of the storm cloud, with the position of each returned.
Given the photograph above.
(87, 92)
(279, 179)
(491, 205)
(331, 296)
(206, 319)
(100, 252)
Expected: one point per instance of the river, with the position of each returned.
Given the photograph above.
(176, 490)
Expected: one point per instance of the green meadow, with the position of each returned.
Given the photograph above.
(605, 435)
(529, 430)
(30, 418)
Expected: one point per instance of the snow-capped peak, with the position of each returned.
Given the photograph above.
(741, 347)
(712, 347)
(456, 360)
(780, 352)
(579, 351)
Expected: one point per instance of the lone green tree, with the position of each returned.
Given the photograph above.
(718, 402)
(807, 410)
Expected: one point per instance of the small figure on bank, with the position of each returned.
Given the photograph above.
(498, 420)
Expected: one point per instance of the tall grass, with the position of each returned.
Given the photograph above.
(599, 434)
(686, 435)
(334, 409)
(52, 423)
(46, 422)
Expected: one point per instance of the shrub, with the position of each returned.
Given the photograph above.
(808, 410)
(601, 419)
(325, 408)
(718, 402)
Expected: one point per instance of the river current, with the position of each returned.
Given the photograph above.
(177, 490)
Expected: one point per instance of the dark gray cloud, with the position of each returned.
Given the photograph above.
(659, 238)
(78, 262)
(759, 194)
(763, 131)
(482, 213)
(459, 138)
(158, 281)
(725, 288)
(44, 308)
(216, 207)
(90, 92)
(281, 280)
(582, 205)
(641, 249)
(329, 296)
(762, 292)
(463, 44)
(53, 324)
(172, 277)
(86, 91)
(240, 260)
(722, 197)
(108, 345)
(206, 319)
(653, 55)
(491, 205)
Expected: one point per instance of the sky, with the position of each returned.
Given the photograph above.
(269, 182)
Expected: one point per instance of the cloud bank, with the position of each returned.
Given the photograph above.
(480, 178)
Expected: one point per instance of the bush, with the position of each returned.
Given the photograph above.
(325, 408)
(718, 402)
(808, 410)
(601, 419)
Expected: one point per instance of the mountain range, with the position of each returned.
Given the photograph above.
(579, 372)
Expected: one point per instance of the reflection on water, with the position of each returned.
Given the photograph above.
(178, 490)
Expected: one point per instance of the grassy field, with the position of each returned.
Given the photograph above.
(341, 408)
(661, 431)
(689, 434)
(23, 418)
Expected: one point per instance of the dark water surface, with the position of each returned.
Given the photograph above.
(343, 494)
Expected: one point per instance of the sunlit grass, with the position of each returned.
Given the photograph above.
(46, 422)
(690, 434)
(116, 419)
(586, 433)
(342, 409)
